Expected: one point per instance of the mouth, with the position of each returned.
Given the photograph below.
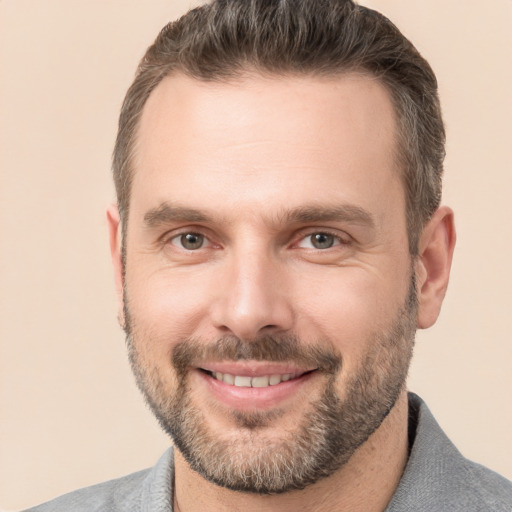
(262, 381)
(253, 385)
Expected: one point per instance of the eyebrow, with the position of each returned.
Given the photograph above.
(319, 213)
(167, 213)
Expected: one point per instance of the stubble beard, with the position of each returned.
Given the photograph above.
(330, 431)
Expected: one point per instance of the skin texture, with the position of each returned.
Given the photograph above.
(256, 167)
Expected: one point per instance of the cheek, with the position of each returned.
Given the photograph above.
(167, 305)
(349, 307)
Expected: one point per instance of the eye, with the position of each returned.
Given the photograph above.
(189, 241)
(319, 241)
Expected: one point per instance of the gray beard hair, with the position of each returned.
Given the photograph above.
(331, 429)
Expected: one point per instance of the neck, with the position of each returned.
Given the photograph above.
(366, 483)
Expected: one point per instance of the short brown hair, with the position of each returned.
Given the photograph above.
(225, 38)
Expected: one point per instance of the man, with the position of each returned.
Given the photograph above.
(277, 241)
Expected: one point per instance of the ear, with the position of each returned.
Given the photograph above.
(433, 264)
(114, 231)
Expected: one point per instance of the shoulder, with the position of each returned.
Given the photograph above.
(489, 488)
(149, 489)
(438, 477)
(113, 495)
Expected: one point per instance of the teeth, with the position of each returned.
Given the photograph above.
(243, 382)
(259, 382)
(228, 379)
(274, 379)
(254, 382)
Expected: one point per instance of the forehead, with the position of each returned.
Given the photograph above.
(251, 135)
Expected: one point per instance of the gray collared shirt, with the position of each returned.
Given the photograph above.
(437, 478)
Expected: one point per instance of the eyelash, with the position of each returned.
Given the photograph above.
(177, 236)
(339, 240)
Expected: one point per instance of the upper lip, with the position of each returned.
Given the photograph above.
(253, 368)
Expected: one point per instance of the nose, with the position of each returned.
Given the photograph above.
(252, 298)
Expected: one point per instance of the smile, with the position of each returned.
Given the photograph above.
(263, 381)
(251, 385)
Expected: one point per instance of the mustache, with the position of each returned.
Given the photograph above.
(287, 348)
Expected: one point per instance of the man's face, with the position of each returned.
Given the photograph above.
(269, 298)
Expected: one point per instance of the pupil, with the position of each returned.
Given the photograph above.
(322, 240)
(192, 241)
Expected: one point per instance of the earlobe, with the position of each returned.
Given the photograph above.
(114, 229)
(433, 265)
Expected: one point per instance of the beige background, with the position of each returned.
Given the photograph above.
(70, 413)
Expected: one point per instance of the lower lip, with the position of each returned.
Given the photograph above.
(245, 398)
